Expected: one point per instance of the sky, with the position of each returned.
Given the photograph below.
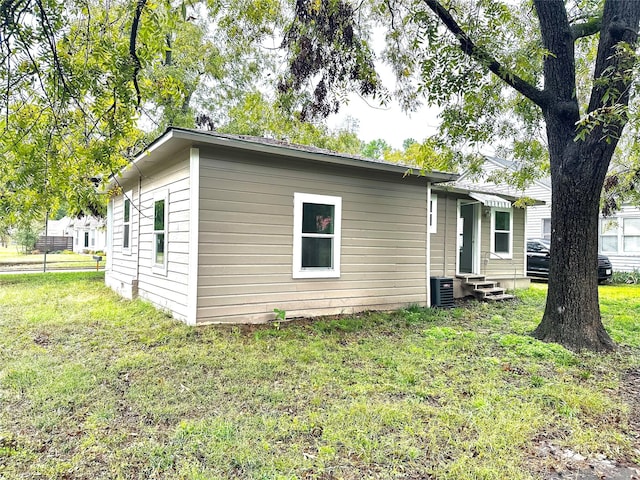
(389, 123)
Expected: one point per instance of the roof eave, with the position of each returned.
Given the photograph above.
(201, 139)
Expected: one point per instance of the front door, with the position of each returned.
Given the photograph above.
(466, 238)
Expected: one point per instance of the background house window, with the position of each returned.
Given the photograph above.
(316, 240)
(608, 235)
(631, 235)
(546, 228)
(501, 228)
(433, 214)
(126, 239)
(160, 232)
(86, 239)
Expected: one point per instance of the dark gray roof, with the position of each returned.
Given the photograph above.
(174, 139)
(294, 146)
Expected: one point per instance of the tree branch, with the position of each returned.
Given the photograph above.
(537, 96)
(137, 66)
(586, 29)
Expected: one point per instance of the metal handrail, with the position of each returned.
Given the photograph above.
(487, 255)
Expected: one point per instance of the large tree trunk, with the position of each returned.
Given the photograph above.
(572, 313)
(579, 163)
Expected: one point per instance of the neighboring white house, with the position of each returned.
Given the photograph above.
(59, 228)
(89, 234)
(619, 235)
(226, 228)
(620, 238)
(538, 221)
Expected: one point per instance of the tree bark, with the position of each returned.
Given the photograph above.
(578, 168)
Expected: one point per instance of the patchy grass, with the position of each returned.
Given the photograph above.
(92, 386)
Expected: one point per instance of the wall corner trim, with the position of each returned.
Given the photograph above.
(194, 234)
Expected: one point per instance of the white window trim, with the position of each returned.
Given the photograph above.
(616, 231)
(127, 196)
(298, 200)
(433, 214)
(501, 255)
(160, 268)
(624, 236)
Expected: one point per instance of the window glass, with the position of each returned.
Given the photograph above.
(317, 218)
(159, 248)
(632, 235)
(317, 252)
(502, 221)
(316, 241)
(546, 228)
(502, 243)
(159, 231)
(632, 226)
(502, 232)
(127, 209)
(158, 217)
(126, 227)
(433, 214)
(608, 235)
(609, 243)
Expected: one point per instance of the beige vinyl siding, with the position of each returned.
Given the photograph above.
(246, 240)
(444, 249)
(122, 271)
(444, 243)
(166, 291)
(494, 267)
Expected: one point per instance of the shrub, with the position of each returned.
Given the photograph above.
(620, 278)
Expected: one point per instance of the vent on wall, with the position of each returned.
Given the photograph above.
(442, 292)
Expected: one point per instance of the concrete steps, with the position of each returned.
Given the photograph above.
(483, 289)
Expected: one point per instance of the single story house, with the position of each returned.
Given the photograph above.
(89, 234)
(220, 228)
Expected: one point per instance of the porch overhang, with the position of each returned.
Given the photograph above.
(493, 201)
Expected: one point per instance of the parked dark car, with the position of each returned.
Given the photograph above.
(538, 260)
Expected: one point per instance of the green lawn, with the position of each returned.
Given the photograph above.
(11, 260)
(92, 386)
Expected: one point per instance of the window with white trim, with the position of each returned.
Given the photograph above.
(631, 235)
(608, 235)
(316, 236)
(126, 224)
(620, 235)
(160, 224)
(433, 214)
(501, 232)
(546, 228)
(86, 239)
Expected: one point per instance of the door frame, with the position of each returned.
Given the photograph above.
(475, 241)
